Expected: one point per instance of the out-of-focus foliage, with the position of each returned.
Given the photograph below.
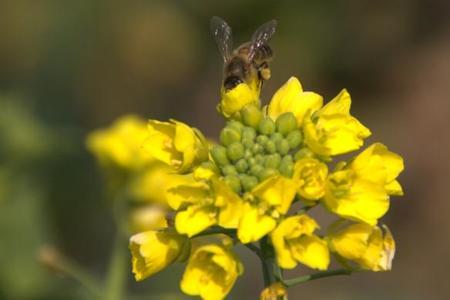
(67, 67)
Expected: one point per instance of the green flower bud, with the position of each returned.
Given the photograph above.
(235, 151)
(286, 167)
(283, 146)
(259, 158)
(270, 146)
(235, 125)
(251, 161)
(248, 154)
(219, 154)
(248, 143)
(276, 136)
(294, 138)
(262, 139)
(287, 159)
(241, 165)
(234, 183)
(266, 126)
(229, 135)
(273, 161)
(303, 153)
(256, 169)
(266, 173)
(251, 115)
(229, 170)
(257, 148)
(248, 182)
(248, 133)
(286, 123)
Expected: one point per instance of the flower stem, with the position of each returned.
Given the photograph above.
(117, 273)
(301, 279)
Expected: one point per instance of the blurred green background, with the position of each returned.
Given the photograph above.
(68, 67)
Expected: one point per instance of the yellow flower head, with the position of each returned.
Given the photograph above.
(294, 241)
(152, 251)
(364, 244)
(275, 291)
(235, 99)
(360, 191)
(211, 272)
(291, 98)
(176, 144)
(332, 130)
(310, 176)
(120, 145)
(268, 201)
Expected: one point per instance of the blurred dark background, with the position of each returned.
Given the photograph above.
(68, 67)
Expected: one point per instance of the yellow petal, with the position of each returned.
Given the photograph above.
(211, 272)
(152, 251)
(294, 242)
(235, 99)
(291, 98)
(195, 219)
(333, 130)
(310, 177)
(277, 191)
(254, 225)
(311, 251)
(230, 204)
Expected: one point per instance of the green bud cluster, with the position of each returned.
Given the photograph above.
(257, 148)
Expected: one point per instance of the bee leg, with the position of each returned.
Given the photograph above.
(264, 71)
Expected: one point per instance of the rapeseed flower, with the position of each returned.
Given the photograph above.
(244, 186)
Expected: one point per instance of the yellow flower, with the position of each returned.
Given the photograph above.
(176, 144)
(152, 251)
(120, 145)
(360, 191)
(229, 203)
(294, 242)
(235, 99)
(195, 205)
(291, 98)
(211, 272)
(332, 130)
(268, 201)
(310, 176)
(377, 163)
(206, 205)
(154, 182)
(275, 291)
(149, 217)
(364, 245)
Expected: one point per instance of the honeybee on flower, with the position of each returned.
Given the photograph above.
(243, 186)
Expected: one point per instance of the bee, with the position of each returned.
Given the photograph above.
(248, 63)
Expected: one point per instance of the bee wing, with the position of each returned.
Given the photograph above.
(261, 36)
(223, 36)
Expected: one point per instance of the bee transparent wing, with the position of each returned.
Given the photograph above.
(223, 36)
(261, 36)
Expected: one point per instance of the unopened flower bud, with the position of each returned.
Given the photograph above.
(251, 115)
(229, 135)
(266, 126)
(286, 123)
(219, 154)
(294, 138)
(235, 151)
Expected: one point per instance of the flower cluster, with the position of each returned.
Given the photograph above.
(267, 159)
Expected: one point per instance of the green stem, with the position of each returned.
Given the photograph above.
(301, 279)
(217, 230)
(116, 279)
